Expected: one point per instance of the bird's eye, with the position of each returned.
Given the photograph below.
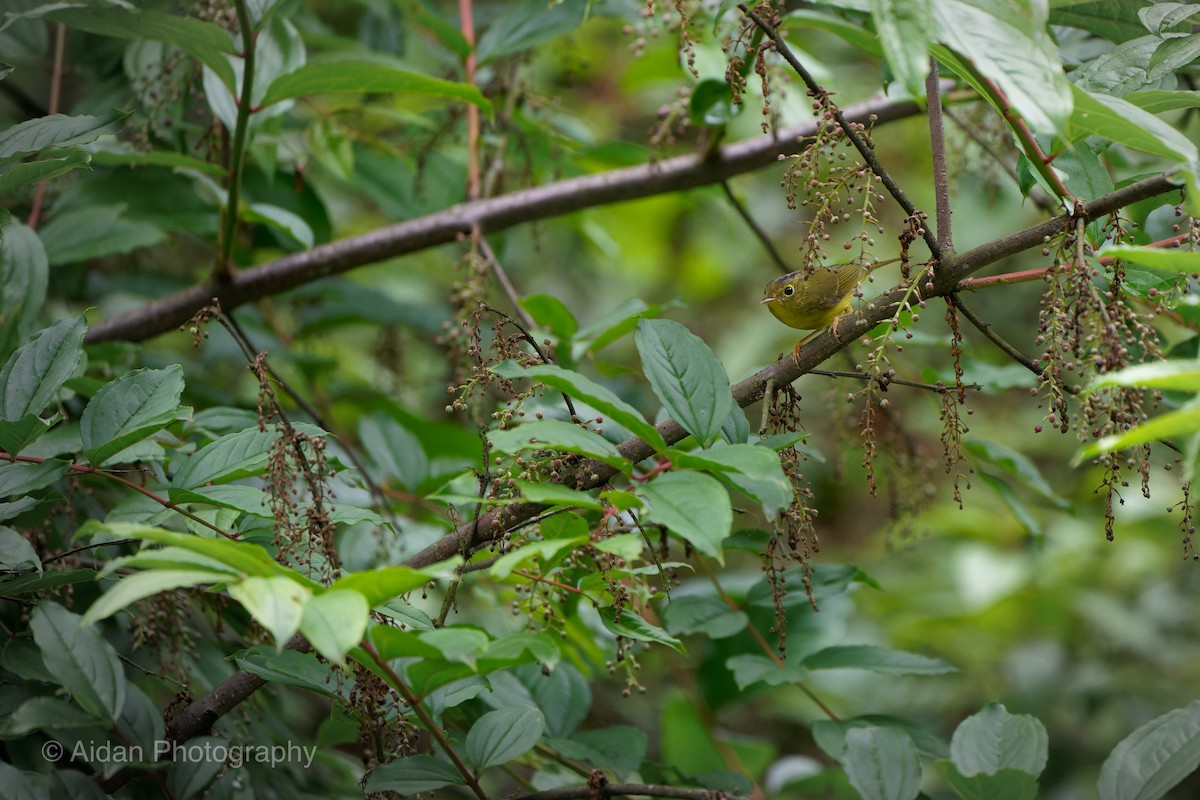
(788, 291)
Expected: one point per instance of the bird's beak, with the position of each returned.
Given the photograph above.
(767, 299)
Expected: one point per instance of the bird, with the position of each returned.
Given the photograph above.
(812, 299)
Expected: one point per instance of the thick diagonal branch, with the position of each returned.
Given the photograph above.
(492, 214)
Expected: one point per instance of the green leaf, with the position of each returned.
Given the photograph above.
(129, 409)
(750, 669)
(367, 76)
(595, 395)
(236, 455)
(527, 25)
(1167, 259)
(554, 494)
(1124, 123)
(46, 714)
(563, 696)
(876, 659)
(1163, 17)
(33, 374)
(16, 553)
(1016, 464)
(1115, 21)
(242, 557)
(693, 506)
(752, 469)
(632, 626)
(1005, 784)
(994, 739)
(53, 164)
(287, 667)
(552, 434)
(16, 435)
(131, 588)
(1155, 758)
(552, 314)
(409, 776)
(24, 277)
(1158, 101)
(546, 551)
(387, 583)
(276, 603)
(1007, 43)
(395, 449)
(281, 220)
(501, 736)
(94, 232)
(1125, 68)
(459, 643)
(117, 154)
(1182, 422)
(712, 103)
(80, 660)
(334, 622)
(25, 477)
(705, 614)
(882, 764)
(685, 376)
(858, 35)
(57, 130)
(205, 41)
(831, 736)
(903, 29)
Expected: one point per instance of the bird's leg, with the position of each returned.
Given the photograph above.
(799, 344)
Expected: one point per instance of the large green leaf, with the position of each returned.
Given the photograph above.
(550, 434)
(80, 660)
(409, 776)
(882, 764)
(334, 622)
(203, 40)
(994, 739)
(366, 76)
(633, 626)
(276, 603)
(597, 396)
(685, 376)
(501, 736)
(876, 659)
(753, 469)
(693, 506)
(903, 29)
(56, 130)
(380, 585)
(228, 458)
(53, 163)
(38, 369)
(24, 277)
(94, 232)
(1152, 760)
(24, 477)
(131, 588)
(1172, 260)
(1007, 43)
(707, 614)
(242, 558)
(1004, 784)
(1124, 123)
(528, 24)
(129, 409)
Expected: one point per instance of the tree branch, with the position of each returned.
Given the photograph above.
(493, 214)
(937, 148)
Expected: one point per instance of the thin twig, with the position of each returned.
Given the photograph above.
(930, 387)
(56, 77)
(937, 144)
(502, 278)
(430, 724)
(864, 149)
(128, 484)
(528, 337)
(759, 233)
(1012, 352)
